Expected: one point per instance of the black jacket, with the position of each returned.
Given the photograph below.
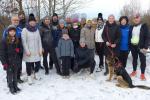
(83, 56)
(112, 35)
(46, 37)
(8, 54)
(144, 36)
(75, 36)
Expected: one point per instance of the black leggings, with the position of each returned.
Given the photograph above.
(100, 51)
(123, 57)
(32, 67)
(135, 53)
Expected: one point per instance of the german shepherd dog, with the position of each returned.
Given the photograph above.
(123, 78)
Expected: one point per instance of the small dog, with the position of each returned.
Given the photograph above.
(123, 78)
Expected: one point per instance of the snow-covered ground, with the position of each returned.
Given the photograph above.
(79, 87)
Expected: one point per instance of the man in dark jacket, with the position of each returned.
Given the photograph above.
(111, 36)
(48, 46)
(84, 58)
(139, 44)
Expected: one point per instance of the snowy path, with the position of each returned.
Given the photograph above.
(78, 87)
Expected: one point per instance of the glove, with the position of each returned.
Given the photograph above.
(17, 50)
(5, 66)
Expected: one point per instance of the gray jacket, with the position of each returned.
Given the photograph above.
(65, 48)
(88, 35)
(31, 43)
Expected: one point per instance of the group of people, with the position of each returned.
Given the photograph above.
(70, 44)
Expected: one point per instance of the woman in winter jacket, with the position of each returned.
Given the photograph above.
(32, 45)
(99, 43)
(139, 45)
(10, 50)
(48, 45)
(65, 52)
(111, 37)
(125, 40)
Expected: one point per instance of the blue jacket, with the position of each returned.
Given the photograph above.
(18, 32)
(125, 36)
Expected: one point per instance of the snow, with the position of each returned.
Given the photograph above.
(78, 87)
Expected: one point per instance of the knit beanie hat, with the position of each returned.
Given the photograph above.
(11, 27)
(31, 17)
(100, 16)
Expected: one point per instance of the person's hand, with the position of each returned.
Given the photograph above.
(41, 53)
(108, 44)
(113, 45)
(5, 66)
(28, 54)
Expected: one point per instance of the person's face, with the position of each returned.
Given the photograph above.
(61, 25)
(47, 21)
(123, 22)
(55, 19)
(137, 19)
(15, 21)
(32, 23)
(12, 33)
(99, 21)
(82, 44)
(21, 16)
(111, 19)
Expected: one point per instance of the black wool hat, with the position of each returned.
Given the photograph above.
(31, 17)
(100, 16)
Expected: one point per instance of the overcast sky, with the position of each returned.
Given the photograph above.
(108, 7)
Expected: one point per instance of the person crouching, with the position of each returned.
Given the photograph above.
(10, 49)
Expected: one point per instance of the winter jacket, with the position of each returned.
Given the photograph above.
(75, 36)
(144, 35)
(46, 37)
(111, 34)
(10, 52)
(125, 37)
(88, 35)
(65, 48)
(56, 33)
(83, 56)
(31, 43)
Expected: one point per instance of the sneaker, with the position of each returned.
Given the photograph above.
(133, 74)
(30, 80)
(142, 77)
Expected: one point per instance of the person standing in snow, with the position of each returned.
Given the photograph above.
(99, 43)
(32, 46)
(139, 45)
(125, 40)
(65, 52)
(111, 37)
(15, 22)
(10, 50)
(48, 45)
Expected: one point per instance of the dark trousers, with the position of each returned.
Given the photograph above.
(123, 57)
(32, 67)
(20, 67)
(52, 57)
(135, 53)
(100, 51)
(66, 65)
(12, 75)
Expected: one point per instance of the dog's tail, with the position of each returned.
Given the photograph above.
(141, 87)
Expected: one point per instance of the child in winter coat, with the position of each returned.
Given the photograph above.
(10, 50)
(65, 52)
